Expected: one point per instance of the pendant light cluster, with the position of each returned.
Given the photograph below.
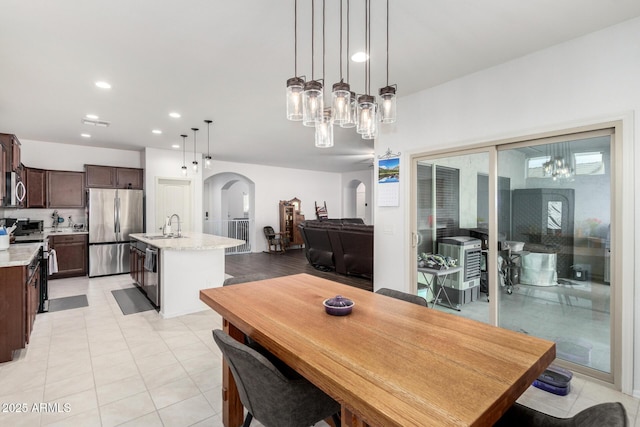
(306, 101)
(559, 165)
(194, 163)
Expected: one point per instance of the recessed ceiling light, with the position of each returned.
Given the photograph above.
(175, 146)
(157, 131)
(85, 135)
(359, 57)
(92, 116)
(103, 85)
(175, 115)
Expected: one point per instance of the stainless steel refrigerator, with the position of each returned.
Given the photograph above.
(113, 215)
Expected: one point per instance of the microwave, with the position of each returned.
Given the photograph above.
(16, 191)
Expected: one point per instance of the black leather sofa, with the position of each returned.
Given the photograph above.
(341, 245)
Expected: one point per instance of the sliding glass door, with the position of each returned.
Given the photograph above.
(452, 213)
(556, 258)
(547, 271)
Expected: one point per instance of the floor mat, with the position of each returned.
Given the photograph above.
(67, 303)
(132, 300)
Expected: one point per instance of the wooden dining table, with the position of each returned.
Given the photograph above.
(389, 362)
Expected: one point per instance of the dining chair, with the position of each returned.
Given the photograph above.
(610, 414)
(272, 396)
(415, 299)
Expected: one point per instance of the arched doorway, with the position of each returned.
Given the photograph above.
(229, 208)
(356, 203)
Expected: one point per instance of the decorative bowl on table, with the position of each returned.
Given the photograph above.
(338, 305)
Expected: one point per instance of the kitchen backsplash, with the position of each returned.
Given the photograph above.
(78, 216)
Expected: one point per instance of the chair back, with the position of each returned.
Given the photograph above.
(269, 232)
(414, 299)
(257, 379)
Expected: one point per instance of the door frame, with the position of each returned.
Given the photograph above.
(623, 273)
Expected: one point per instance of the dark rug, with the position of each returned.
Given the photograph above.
(67, 303)
(132, 300)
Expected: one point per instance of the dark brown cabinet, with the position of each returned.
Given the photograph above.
(136, 264)
(65, 189)
(36, 183)
(9, 162)
(290, 217)
(12, 146)
(113, 177)
(19, 294)
(71, 253)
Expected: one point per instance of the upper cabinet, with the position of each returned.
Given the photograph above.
(36, 183)
(65, 189)
(10, 162)
(113, 177)
(11, 146)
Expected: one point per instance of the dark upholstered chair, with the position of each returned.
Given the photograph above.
(268, 394)
(415, 299)
(275, 241)
(604, 414)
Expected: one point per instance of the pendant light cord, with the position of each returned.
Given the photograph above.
(323, 39)
(313, 19)
(295, 40)
(348, 16)
(387, 42)
(341, 41)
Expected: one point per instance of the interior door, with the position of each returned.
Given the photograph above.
(173, 196)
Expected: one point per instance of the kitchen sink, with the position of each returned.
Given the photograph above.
(161, 237)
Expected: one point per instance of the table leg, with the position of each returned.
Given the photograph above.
(349, 419)
(232, 409)
(440, 283)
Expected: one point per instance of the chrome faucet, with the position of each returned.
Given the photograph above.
(179, 224)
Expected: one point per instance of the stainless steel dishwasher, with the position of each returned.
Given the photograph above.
(152, 274)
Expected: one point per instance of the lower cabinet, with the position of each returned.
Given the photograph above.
(136, 264)
(72, 254)
(19, 296)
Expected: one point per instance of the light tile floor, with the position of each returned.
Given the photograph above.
(102, 368)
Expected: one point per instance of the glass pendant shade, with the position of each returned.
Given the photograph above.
(388, 104)
(312, 103)
(366, 115)
(341, 97)
(324, 130)
(295, 88)
(184, 171)
(207, 162)
(353, 112)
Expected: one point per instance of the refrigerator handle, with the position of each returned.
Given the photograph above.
(116, 217)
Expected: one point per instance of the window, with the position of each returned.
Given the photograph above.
(535, 166)
(589, 163)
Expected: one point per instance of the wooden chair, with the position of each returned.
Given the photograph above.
(414, 299)
(276, 242)
(274, 397)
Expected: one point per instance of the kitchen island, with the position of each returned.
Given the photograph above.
(181, 267)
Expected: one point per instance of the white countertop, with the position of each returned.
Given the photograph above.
(18, 254)
(61, 231)
(189, 241)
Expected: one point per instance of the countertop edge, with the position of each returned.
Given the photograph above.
(190, 242)
(19, 254)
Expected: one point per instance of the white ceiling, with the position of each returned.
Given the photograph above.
(229, 60)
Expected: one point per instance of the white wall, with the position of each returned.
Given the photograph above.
(167, 164)
(273, 184)
(587, 80)
(52, 155)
